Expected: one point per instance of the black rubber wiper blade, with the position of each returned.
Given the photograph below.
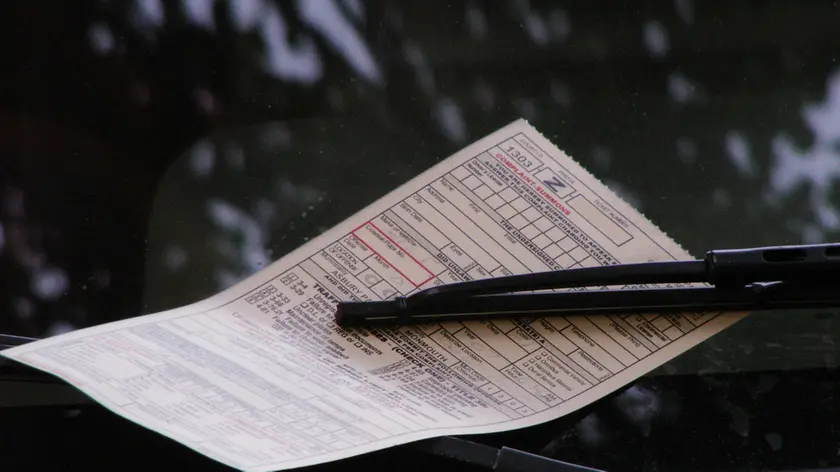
(767, 278)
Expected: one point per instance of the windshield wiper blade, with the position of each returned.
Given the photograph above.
(765, 278)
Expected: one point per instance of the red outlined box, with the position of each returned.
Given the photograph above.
(391, 252)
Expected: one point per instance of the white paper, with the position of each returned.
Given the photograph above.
(260, 378)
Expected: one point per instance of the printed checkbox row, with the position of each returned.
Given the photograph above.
(566, 243)
(578, 254)
(667, 328)
(531, 214)
(461, 173)
(531, 232)
(520, 204)
(559, 237)
(565, 261)
(518, 221)
(483, 192)
(661, 323)
(508, 195)
(472, 182)
(589, 262)
(544, 224)
(495, 202)
(542, 241)
(507, 211)
(553, 251)
(523, 219)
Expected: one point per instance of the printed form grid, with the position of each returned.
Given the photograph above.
(573, 346)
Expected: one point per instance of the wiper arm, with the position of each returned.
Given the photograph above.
(765, 278)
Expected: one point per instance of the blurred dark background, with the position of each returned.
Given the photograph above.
(153, 152)
(720, 120)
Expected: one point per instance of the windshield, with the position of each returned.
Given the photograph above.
(155, 153)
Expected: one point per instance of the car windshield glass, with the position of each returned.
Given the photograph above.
(154, 153)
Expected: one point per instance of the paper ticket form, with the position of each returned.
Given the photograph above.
(259, 377)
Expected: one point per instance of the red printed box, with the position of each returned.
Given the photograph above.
(389, 251)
